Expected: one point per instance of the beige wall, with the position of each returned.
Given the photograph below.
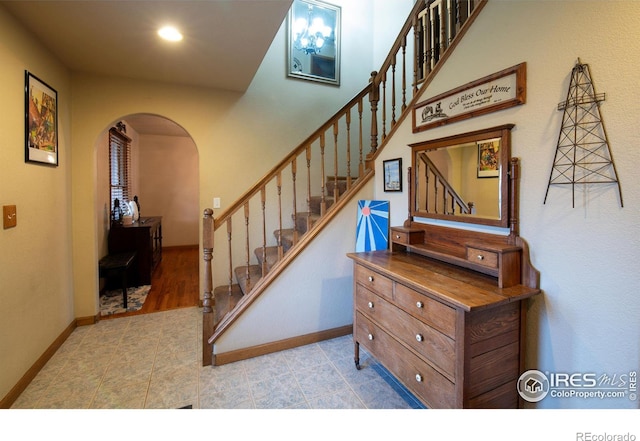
(169, 187)
(36, 292)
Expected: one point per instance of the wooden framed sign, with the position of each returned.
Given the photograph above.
(501, 90)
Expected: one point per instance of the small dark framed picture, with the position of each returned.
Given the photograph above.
(41, 121)
(392, 174)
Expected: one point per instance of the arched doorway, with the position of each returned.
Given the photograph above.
(164, 177)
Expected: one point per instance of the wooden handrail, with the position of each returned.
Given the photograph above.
(286, 161)
(327, 154)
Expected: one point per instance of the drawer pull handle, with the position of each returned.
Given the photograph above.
(419, 337)
(419, 304)
(480, 257)
(370, 278)
(370, 336)
(370, 305)
(419, 378)
(397, 236)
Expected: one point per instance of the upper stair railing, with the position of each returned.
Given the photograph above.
(274, 220)
(439, 194)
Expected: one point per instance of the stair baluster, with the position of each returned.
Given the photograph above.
(323, 203)
(247, 268)
(360, 138)
(263, 250)
(374, 98)
(383, 82)
(294, 168)
(348, 123)
(336, 192)
(308, 151)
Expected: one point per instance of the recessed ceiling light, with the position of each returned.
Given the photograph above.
(170, 33)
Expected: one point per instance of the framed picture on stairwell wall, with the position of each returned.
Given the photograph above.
(41, 121)
(392, 174)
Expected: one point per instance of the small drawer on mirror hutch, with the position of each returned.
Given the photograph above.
(482, 257)
(407, 236)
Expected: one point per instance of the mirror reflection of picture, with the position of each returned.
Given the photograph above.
(313, 50)
(489, 158)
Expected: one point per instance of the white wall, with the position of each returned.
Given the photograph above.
(587, 319)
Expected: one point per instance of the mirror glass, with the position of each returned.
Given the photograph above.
(313, 50)
(462, 178)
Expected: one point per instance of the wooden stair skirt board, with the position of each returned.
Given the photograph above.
(281, 345)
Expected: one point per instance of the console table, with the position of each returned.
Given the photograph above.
(145, 238)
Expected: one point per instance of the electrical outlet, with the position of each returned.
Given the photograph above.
(216, 202)
(9, 217)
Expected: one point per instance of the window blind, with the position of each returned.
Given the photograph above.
(119, 166)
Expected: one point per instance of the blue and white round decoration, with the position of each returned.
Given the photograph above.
(372, 229)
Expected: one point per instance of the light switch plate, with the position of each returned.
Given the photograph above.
(9, 217)
(216, 202)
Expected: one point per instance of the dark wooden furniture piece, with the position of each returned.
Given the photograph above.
(145, 238)
(444, 310)
(117, 266)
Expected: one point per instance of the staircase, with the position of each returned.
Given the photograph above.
(267, 257)
(307, 188)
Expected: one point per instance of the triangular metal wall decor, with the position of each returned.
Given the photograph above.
(583, 155)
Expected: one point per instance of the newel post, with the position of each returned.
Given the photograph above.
(208, 302)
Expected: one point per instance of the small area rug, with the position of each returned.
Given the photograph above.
(111, 301)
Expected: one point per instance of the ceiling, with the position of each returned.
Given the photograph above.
(223, 46)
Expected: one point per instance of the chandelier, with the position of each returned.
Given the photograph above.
(311, 33)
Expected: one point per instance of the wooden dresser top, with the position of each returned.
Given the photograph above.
(459, 287)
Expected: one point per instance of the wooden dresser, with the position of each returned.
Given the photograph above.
(444, 309)
(449, 334)
(144, 237)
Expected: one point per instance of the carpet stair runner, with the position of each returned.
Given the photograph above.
(227, 296)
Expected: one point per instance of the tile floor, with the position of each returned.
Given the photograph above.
(153, 361)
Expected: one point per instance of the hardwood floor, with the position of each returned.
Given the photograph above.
(174, 284)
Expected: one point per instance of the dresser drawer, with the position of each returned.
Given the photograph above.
(407, 237)
(436, 314)
(373, 281)
(482, 257)
(434, 346)
(423, 380)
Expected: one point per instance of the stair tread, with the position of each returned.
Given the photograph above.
(226, 298)
(255, 274)
(272, 255)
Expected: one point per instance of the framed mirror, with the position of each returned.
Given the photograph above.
(463, 178)
(313, 37)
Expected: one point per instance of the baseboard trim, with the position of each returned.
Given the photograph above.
(90, 320)
(28, 377)
(281, 345)
(181, 247)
